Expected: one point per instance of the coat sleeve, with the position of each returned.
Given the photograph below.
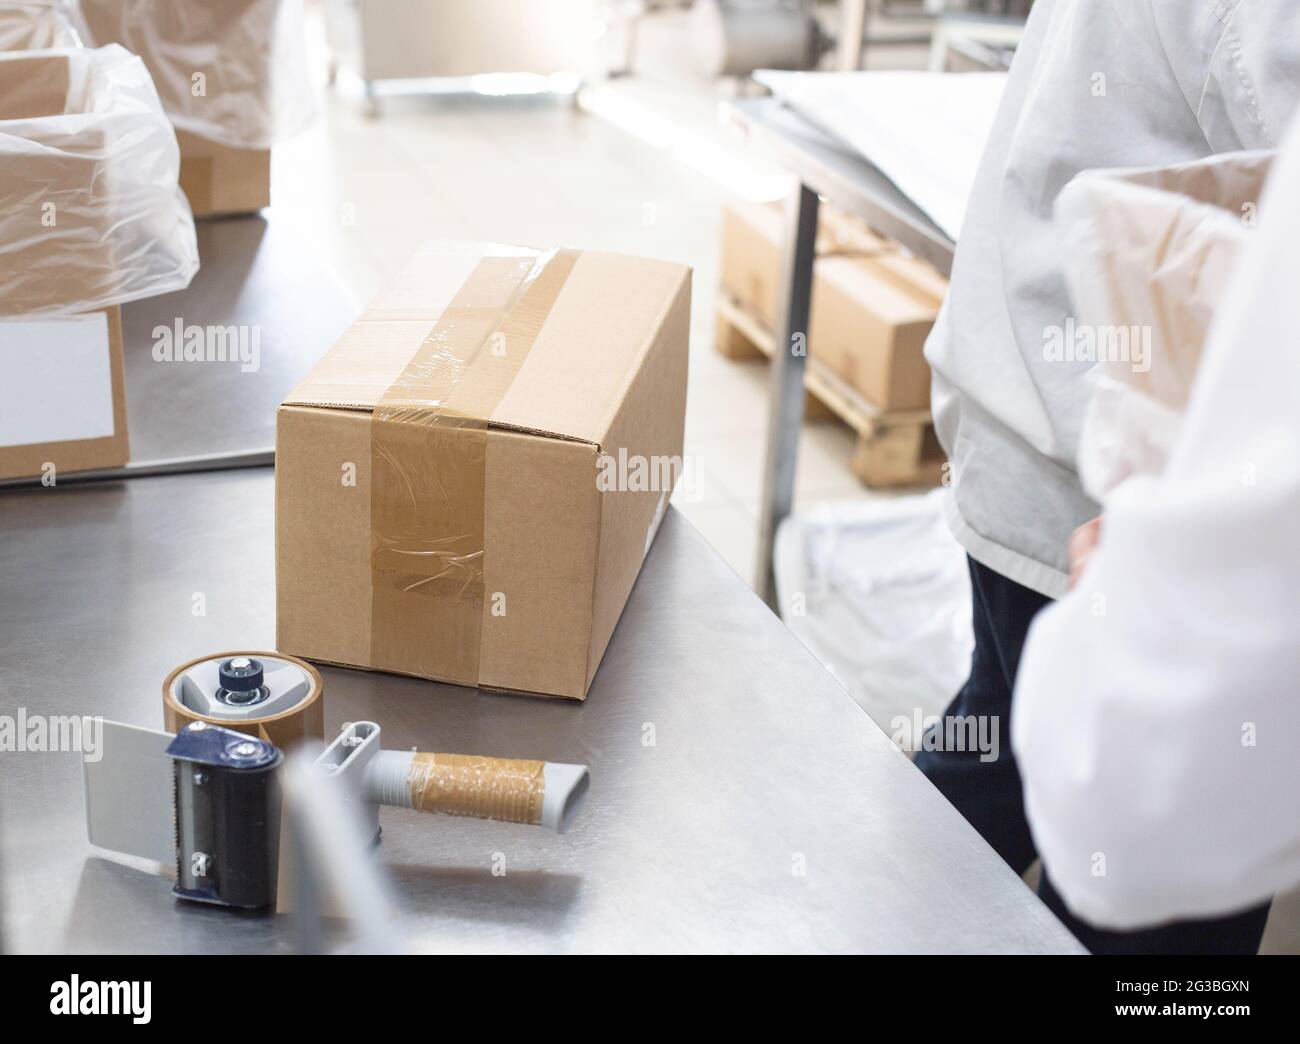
(1238, 63)
(1157, 708)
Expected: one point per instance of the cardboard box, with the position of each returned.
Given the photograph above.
(218, 179)
(59, 169)
(468, 482)
(92, 216)
(872, 305)
(62, 394)
(235, 45)
(869, 323)
(752, 235)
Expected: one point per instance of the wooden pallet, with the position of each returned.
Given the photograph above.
(895, 448)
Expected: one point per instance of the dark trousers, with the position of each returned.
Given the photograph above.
(989, 793)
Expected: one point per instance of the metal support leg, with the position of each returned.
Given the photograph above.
(785, 404)
(852, 28)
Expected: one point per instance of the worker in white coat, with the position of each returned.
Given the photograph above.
(1094, 84)
(1156, 738)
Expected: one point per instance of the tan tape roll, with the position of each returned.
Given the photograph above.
(305, 720)
(485, 788)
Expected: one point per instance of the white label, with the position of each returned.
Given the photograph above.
(56, 380)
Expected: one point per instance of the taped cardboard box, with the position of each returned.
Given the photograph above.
(752, 236)
(468, 482)
(870, 319)
(62, 395)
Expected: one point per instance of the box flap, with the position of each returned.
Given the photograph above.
(33, 86)
(537, 341)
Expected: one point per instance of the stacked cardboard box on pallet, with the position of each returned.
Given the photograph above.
(752, 235)
(872, 305)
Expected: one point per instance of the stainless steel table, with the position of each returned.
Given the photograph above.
(740, 799)
(823, 168)
(189, 416)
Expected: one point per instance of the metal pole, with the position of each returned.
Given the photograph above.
(853, 24)
(786, 394)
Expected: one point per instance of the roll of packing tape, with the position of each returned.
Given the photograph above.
(275, 697)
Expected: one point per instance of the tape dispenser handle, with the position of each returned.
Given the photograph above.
(542, 793)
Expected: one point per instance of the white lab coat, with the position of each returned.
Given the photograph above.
(1157, 709)
(1095, 84)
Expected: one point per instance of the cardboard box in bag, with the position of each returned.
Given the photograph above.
(62, 390)
(870, 319)
(752, 236)
(219, 180)
(70, 175)
(468, 482)
(234, 45)
(62, 394)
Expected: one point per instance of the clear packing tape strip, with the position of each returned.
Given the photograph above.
(428, 439)
(93, 216)
(230, 71)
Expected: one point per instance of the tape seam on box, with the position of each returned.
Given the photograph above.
(428, 443)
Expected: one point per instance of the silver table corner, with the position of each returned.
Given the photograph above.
(823, 169)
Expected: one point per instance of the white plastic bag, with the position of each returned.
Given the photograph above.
(231, 71)
(36, 25)
(91, 213)
(1148, 254)
(878, 590)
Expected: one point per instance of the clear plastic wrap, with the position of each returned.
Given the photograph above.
(230, 71)
(92, 214)
(878, 591)
(37, 25)
(1147, 256)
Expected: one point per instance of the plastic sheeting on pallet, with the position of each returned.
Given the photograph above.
(878, 590)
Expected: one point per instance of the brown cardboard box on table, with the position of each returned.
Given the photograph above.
(62, 392)
(468, 482)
